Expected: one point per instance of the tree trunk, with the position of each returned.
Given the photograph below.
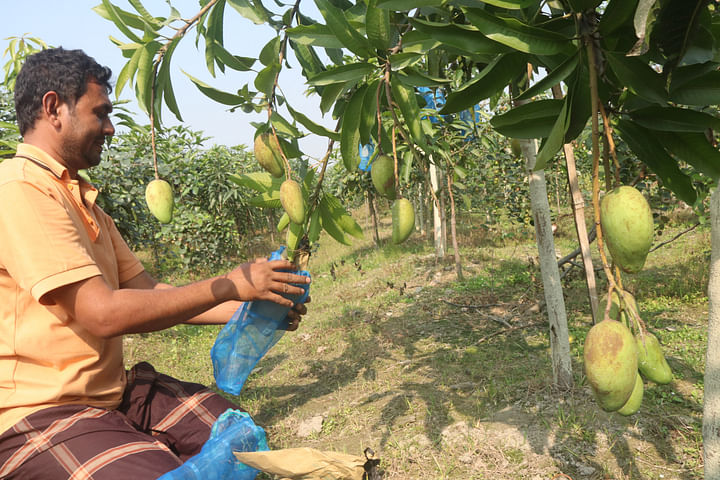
(421, 210)
(373, 215)
(453, 229)
(711, 407)
(559, 339)
(437, 216)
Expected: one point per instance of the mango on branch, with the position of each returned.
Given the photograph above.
(611, 363)
(267, 153)
(160, 200)
(403, 220)
(651, 361)
(627, 226)
(382, 174)
(635, 400)
(293, 201)
(515, 148)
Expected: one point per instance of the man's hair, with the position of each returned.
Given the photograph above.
(66, 72)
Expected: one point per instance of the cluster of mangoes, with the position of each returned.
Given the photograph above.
(382, 173)
(616, 359)
(268, 154)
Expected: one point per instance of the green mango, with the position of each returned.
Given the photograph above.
(635, 400)
(651, 361)
(382, 174)
(515, 148)
(267, 153)
(293, 201)
(160, 200)
(627, 227)
(403, 220)
(611, 363)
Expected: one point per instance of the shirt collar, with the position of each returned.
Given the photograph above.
(88, 191)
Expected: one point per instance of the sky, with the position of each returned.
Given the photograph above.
(73, 24)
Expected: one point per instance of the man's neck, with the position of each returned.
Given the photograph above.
(36, 140)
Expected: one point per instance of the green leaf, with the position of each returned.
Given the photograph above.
(403, 5)
(350, 134)
(517, 35)
(339, 25)
(694, 149)
(580, 6)
(258, 181)
(341, 216)
(165, 82)
(312, 126)
(528, 120)
(314, 228)
(145, 75)
(219, 96)
(146, 17)
(638, 76)
(510, 4)
(308, 59)
(580, 107)
(344, 73)
(463, 37)
(266, 200)
(128, 72)
(493, 78)
(642, 142)
(257, 15)
(560, 73)
(404, 96)
(270, 52)
(702, 90)
(330, 95)
(415, 78)
(399, 61)
(555, 140)
(617, 13)
(317, 35)
(114, 15)
(282, 126)
(265, 79)
(368, 118)
(674, 119)
(240, 64)
(330, 224)
(377, 26)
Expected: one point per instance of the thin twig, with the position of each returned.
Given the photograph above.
(675, 237)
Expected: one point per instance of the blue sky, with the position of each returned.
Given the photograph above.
(73, 24)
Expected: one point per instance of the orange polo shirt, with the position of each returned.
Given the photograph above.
(53, 234)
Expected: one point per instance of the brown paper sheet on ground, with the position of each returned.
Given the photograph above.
(305, 464)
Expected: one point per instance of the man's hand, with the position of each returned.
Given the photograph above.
(294, 316)
(262, 280)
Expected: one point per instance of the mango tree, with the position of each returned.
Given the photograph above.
(645, 70)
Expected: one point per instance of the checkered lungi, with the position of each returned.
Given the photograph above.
(160, 423)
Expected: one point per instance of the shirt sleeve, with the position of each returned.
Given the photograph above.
(129, 266)
(40, 241)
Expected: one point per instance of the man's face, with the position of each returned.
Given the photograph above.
(88, 123)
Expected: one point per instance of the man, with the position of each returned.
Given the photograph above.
(70, 288)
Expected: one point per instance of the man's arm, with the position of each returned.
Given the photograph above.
(217, 315)
(107, 313)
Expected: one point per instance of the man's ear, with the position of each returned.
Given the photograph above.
(51, 106)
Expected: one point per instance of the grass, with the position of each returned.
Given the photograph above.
(398, 355)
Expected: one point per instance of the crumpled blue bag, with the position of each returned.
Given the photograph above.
(253, 329)
(233, 431)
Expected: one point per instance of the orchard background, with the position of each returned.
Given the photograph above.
(595, 94)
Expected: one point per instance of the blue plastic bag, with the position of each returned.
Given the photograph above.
(234, 431)
(251, 332)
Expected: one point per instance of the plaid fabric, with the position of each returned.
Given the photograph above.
(160, 423)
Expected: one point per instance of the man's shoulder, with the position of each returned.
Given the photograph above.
(12, 170)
